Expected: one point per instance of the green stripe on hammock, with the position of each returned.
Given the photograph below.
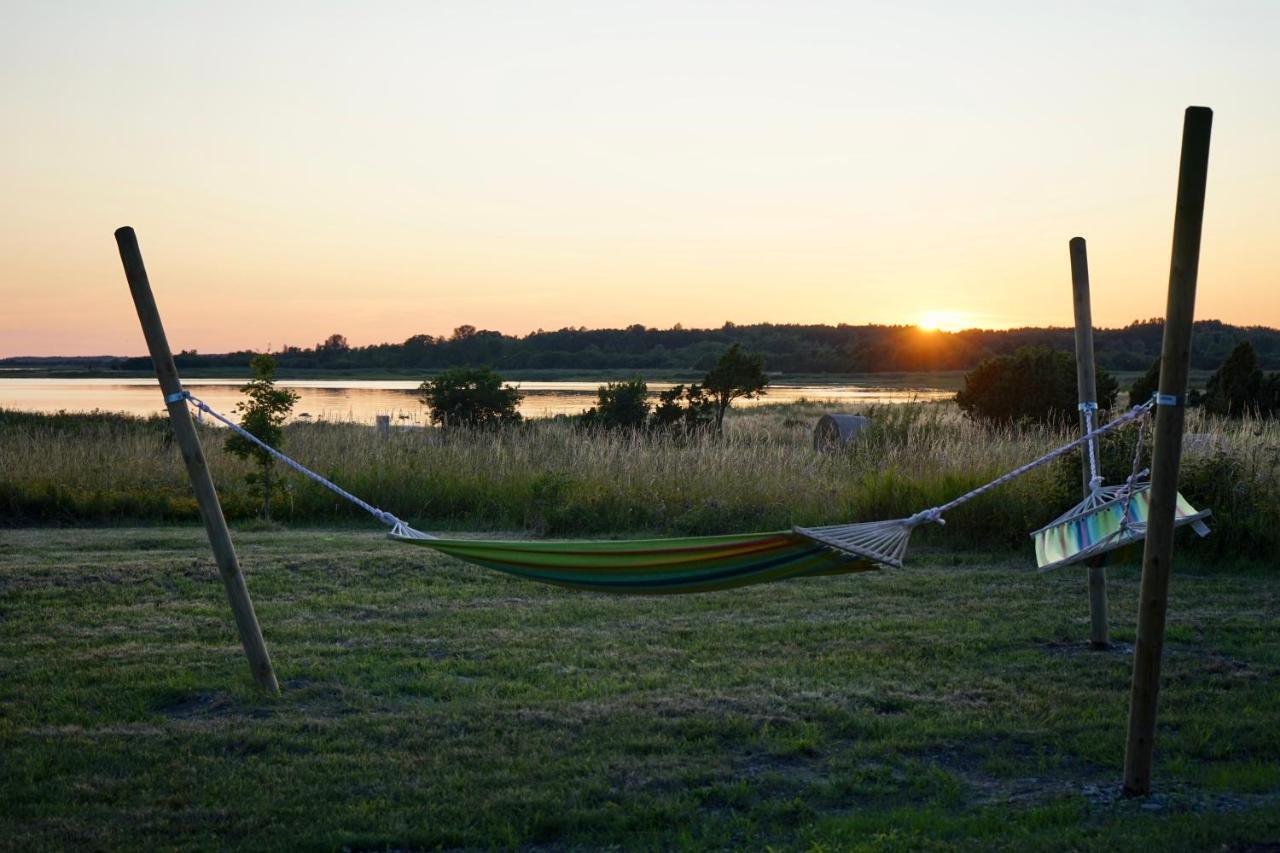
(654, 566)
(1103, 528)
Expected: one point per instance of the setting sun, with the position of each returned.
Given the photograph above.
(943, 321)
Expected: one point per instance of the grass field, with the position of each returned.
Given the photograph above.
(950, 704)
(551, 479)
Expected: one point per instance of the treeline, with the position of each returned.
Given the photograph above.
(785, 348)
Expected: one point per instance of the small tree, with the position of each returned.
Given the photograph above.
(262, 415)
(1145, 385)
(1269, 395)
(473, 397)
(736, 374)
(620, 405)
(686, 408)
(1235, 388)
(1035, 383)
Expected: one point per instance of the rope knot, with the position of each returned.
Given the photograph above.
(925, 516)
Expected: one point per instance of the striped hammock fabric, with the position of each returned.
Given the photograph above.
(1077, 536)
(654, 566)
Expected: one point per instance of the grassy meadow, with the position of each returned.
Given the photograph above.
(547, 478)
(428, 704)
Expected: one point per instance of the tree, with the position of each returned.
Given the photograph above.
(1145, 385)
(263, 416)
(471, 396)
(1234, 389)
(1034, 383)
(334, 343)
(620, 405)
(686, 408)
(737, 374)
(1269, 395)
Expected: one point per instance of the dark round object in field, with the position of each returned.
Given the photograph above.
(835, 431)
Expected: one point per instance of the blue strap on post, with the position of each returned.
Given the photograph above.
(1088, 406)
(1167, 399)
(177, 396)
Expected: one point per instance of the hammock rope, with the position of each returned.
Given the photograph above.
(886, 541)
(1109, 517)
(398, 527)
(703, 563)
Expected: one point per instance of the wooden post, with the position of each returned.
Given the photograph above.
(1166, 454)
(1087, 393)
(384, 426)
(184, 432)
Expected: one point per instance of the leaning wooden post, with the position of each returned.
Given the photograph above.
(1166, 454)
(1087, 394)
(184, 432)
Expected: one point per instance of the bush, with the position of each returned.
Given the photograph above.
(1145, 385)
(684, 409)
(1035, 383)
(620, 405)
(1238, 387)
(738, 373)
(471, 397)
(262, 416)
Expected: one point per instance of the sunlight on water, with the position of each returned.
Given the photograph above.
(363, 400)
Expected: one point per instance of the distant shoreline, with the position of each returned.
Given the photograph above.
(944, 379)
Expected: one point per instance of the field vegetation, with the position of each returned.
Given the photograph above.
(427, 704)
(551, 478)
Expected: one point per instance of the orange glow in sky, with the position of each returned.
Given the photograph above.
(392, 168)
(945, 321)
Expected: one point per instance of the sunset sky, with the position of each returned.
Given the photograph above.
(387, 169)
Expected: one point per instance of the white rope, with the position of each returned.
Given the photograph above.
(1127, 493)
(937, 512)
(885, 542)
(1095, 480)
(843, 536)
(398, 527)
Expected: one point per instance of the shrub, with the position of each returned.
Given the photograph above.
(1145, 385)
(263, 416)
(620, 405)
(1035, 384)
(737, 374)
(684, 409)
(470, 397)
(1238, 387)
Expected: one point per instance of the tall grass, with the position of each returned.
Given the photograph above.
(551, 479)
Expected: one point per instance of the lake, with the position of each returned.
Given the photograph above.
(362, 400)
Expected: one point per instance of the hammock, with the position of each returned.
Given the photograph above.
(1110, 517)
(1117, 520)
(705, 563)
(654, 566)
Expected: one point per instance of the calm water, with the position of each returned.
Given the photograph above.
(363, 400)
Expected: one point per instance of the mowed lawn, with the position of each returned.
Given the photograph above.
(429, 704)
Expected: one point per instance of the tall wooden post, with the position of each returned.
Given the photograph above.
(1087, 394)
(1166, 454)
(184, 432)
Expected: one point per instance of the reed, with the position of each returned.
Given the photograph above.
(550, 478)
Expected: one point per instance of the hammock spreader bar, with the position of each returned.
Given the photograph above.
(1116, 518)
(885, 542)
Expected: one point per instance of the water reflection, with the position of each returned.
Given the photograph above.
(363, 400)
